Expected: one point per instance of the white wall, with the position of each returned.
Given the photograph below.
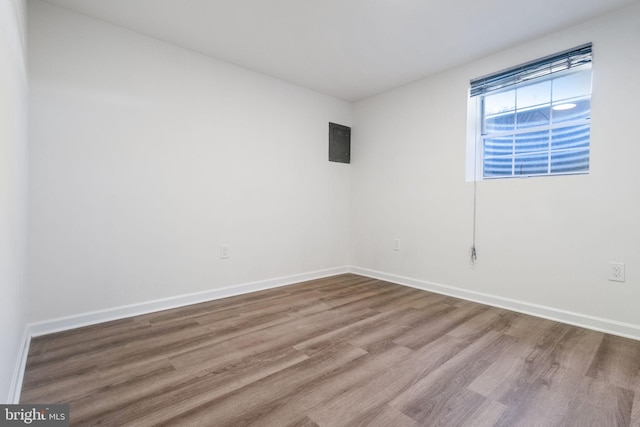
(13, 186)
(544, 241)
(146, 157)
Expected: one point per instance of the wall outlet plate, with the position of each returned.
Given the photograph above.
(616, 271)
(224, 251)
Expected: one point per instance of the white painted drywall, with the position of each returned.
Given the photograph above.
(147, 157)
(543, 241)
(13, 186)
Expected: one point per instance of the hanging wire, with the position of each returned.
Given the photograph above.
(473, 255)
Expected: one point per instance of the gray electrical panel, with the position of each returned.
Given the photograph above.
(339, 143)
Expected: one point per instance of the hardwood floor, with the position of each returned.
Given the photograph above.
(340, 351)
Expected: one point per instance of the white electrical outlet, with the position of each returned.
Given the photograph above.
(616, 271)
(224, 251)
(396, 244)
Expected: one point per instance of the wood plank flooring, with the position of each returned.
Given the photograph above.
(341, 351)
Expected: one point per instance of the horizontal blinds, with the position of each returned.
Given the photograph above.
(532, 70)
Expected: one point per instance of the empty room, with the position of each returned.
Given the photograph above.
(319, 213)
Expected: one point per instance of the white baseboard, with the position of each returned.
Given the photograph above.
(116, 313)
(626, 330)
(18, 372)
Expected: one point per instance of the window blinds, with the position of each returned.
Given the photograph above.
(542, 67)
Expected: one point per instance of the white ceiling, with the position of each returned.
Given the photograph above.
(350, 49)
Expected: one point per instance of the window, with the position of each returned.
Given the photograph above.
(533, 119)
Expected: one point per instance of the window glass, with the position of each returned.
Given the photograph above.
(571, 86)
(570, 137)
(539, 128)
(531, 142)
(498, 146)
(532, 119)
(534, 94)
(531, 164)
(499, 102)
(570, 161)
(503, 122)
(574, 110)
(498, 167)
